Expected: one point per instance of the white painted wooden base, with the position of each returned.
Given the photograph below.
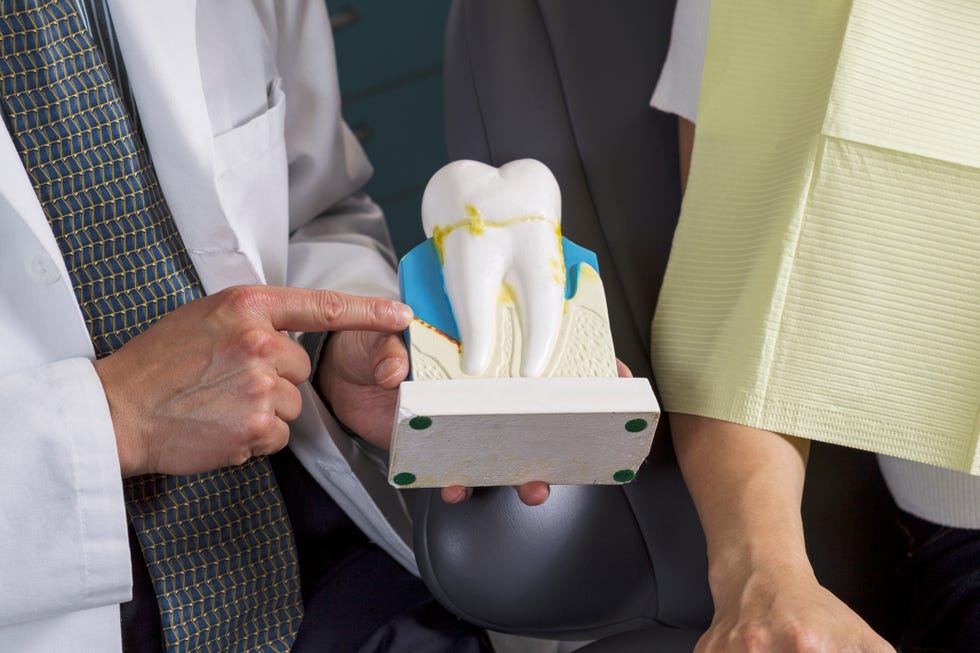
(507, 431)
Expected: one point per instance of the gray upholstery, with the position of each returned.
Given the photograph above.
(568, 82)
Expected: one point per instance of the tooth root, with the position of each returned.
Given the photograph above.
(540, 294)
(473, 285)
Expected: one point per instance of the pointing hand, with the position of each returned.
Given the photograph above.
(213, 383)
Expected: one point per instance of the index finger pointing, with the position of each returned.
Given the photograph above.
(299, 309)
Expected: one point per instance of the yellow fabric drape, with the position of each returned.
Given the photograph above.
(825, 274)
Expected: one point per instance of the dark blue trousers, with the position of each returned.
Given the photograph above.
(941, 579)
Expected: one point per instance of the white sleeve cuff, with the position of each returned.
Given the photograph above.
(679, 86)
(64, 534)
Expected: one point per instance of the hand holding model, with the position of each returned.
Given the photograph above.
(514, 376)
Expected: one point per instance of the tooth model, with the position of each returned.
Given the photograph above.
(514, 374)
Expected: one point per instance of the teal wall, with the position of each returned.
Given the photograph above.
(389, 56)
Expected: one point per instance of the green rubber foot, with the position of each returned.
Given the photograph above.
(420, 422)
(404, 478)
(636, 425)
(622, 476)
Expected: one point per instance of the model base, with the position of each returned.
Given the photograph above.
(508, 431)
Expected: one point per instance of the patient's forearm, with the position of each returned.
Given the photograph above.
(747, 485)
(685, 142)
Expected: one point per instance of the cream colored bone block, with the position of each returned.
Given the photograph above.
(510, 431)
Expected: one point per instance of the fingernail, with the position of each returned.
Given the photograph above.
(386, 369)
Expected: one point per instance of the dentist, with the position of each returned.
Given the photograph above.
(178, 191)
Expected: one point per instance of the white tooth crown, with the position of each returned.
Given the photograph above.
(520, 188)
(498, 235)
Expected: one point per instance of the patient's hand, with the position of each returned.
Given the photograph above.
(784, 609)
(534, 493)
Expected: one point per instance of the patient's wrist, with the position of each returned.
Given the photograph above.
(758, 562)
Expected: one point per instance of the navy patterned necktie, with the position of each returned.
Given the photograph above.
(218, 546)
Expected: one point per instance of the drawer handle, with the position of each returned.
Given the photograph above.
(345, 17)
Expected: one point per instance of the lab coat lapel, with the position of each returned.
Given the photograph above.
(18, 192)
(158, 40)
(53, 301)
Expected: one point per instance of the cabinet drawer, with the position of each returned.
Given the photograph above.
(402, 133)
(381, 41)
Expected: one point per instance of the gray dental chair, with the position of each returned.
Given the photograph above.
(569, 82)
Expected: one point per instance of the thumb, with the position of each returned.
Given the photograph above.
(369, 358)
(623, 370)
(390, 361)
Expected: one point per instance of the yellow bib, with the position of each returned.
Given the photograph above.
(825, 275)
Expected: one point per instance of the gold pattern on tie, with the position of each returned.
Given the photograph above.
(218, 546)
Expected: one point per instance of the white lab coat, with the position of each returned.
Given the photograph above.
(240, 108)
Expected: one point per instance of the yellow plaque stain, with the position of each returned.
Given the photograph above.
(474, 220)
(438, 239)
(507, 295)
(557, 271)
(476, 225)
(561, 274)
